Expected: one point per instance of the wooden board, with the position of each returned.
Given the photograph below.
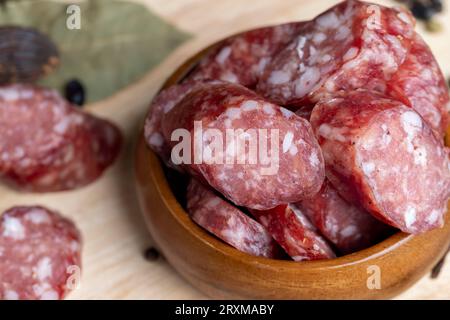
(107, 211)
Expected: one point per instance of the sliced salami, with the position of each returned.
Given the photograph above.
(294, 233)
(348, 227)
(420, 84)
(242, 58)
(47, 144)
(380, 154)
(229, 223)
(255, 153)
(39, 254)
(161, 104)
(352, 45)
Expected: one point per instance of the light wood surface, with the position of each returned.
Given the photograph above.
(107, 211)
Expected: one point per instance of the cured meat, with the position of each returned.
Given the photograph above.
(47, 144)
(348, 227)
(255, 153)
(242, 58)
(352, 45)
(294, 233)
(39, 253)
(239, 59)
(229, 223)
(161, 104)
(420, 84)
(380, 154)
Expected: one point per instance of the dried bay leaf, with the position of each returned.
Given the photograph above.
(118, 41)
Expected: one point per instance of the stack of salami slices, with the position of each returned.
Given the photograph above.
(354, 109)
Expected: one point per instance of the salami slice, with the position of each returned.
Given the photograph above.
(255, 153)
(242, 58)
(348, 227)
(352, 45)
(380, 154)
(420, 84)
(39, 253)
(229, 223)
(294, 233)
(47, 144)
(161, 104)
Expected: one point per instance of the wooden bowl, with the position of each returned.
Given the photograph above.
(222, 272)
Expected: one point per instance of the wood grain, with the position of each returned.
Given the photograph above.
(107, 211)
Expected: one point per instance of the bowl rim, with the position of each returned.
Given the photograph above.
(377, 250)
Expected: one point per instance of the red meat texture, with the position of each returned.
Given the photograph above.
(295, 233)
(47, 144)
(382, 155)
(297, 169)
(361, 107)
(39, 253)
(229, 223)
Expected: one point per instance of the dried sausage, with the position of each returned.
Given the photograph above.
(47, 144)
(242, 58)
(257, 154)
(294, 233)
(352, 45)
(381, 154)
(39, 254)
(229, 223)
(347, 226)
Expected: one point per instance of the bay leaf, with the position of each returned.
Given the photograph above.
(117, 43)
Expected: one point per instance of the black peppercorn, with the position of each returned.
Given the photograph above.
(421, 11)
(436, 5)
(151, 254)
(74, 92)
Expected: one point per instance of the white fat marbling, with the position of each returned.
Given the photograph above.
(13, 228)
